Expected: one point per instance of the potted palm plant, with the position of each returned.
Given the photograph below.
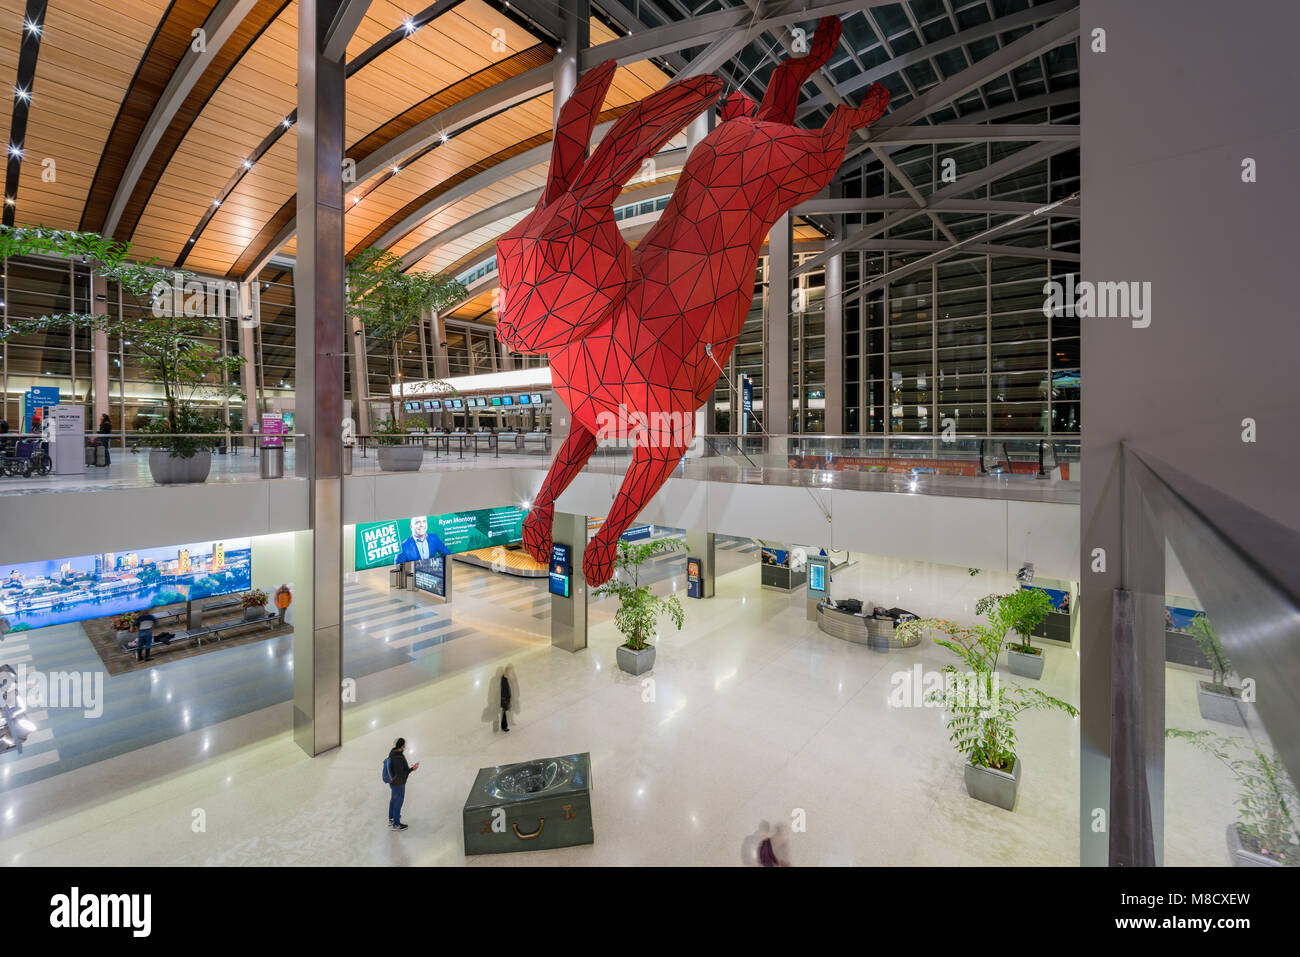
(982, 712)
(1023, 611)
(639, 609)
(1217, 700)
(1264, 834)
(254, 603)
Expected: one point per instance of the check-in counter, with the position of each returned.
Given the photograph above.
(861, 628)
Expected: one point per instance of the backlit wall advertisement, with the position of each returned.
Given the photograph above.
(36, 594)
(423, 536)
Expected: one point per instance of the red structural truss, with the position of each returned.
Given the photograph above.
(636, 339)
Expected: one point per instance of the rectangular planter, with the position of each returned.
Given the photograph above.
(635, 662)
(1025, 665)
(1225, 708)
(1241, 857)
(998, 788)
(401, 458)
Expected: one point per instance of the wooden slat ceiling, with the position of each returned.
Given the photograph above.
(89, 54)
(104, 66)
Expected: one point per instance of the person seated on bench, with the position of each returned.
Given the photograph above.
(145, 641)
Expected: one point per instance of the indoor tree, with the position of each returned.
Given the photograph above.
(1024, 610)
(982, 710)
(1207, 640)
(1267, 804)
(172, 349)
(389, 303)
(639, 609)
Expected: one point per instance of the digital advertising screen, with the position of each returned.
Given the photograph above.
(523, 399)
(507, 400)
(424, 536)
(37, 594)
(431, 575)
(561, 571)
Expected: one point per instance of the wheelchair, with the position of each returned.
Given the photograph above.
(25, 459)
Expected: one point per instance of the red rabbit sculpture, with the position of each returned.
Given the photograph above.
(636, 339)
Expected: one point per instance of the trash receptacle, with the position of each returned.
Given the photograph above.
(347, 460)
(273, 462)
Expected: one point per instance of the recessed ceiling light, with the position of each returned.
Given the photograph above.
(286, 122)
(445, 137)
(397, 169)
(409, 25)
(22, 94)
(216, 202)
(31, 27)
(15, 151)
(248, 164)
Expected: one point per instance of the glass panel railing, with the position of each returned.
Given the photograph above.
(85, 461)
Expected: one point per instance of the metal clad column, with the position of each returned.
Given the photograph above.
(834, 339)
(569, 615)
(318, 287)
(701, 544)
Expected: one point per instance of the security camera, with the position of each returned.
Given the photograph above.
(1025, 575)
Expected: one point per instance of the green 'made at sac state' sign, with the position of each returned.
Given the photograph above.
(423, 536)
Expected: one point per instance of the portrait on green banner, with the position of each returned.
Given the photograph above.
(422, 537)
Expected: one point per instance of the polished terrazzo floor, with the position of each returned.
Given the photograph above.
(755, 717)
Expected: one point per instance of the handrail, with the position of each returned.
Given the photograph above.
(1245, 568)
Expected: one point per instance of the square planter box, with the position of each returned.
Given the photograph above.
(251, 613)
(401, 458)
(530, 806)
(1224, 708)
(636, 662)
(1026, 665)
(1242, 856)
(994, 787)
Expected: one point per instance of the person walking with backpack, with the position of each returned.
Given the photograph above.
(396, 771)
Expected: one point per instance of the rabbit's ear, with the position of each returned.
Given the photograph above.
(639, 134)
(573, 130)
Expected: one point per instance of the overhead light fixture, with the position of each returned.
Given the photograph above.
(286, 122)
(22, 94)
(30, 26)
(216, 202)
(9, 200)
(248, 164)
(445, 137)
(409, 26)
(15, 151)
(396, 170)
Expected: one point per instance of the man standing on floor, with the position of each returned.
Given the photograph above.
(398, 771)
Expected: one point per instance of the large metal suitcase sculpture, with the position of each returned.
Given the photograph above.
(531, 806)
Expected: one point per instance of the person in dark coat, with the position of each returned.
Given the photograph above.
(506, 696)
(398, 772)
(105, 430)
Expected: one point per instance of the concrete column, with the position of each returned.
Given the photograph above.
(776, 388)
(569, 615)
(577, 36)
(248, 371)
(99, 352)
(700, 545)
(834, 328)
(318, 288)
